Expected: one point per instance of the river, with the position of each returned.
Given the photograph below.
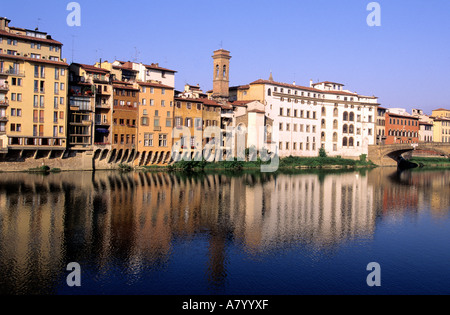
(285, 233)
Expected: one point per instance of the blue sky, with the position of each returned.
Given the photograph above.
(405, 61)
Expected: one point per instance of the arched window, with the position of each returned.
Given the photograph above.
(345, 129)
(323, 137)
(335, 137)
(217, 71)
(324, 124)
(335, 124)
(345, 116)
(224, 72)
(344, 142)
(351, 142)
(324, 111)
(335, 112)
(352, 117)
(269, 92)
(351, 129)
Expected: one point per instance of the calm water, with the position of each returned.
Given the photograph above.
(274, 234)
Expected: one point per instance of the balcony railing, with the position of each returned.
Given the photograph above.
(102, 123)
(12, 72)
(156, 128)
(4, 103)
(4, 118)
(4, 87)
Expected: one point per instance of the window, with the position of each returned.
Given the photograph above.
(148, 139)
(344, 142)
(163, 140)
(352, 117)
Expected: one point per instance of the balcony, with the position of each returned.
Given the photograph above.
(86, 122)
(4, 103)
(102, 123)
(13, 72)
(156, 128)
(4, 87)
(103, 106)
(4, 118)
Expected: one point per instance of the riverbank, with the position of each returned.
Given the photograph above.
(430, 162)
(284, 163)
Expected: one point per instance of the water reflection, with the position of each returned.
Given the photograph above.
(127, 224)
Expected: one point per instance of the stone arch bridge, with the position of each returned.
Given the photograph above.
(388, 154)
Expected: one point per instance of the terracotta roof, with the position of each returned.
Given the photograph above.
(292, 86)
(61, 63)
(210, 102)
(31, 38)
(425, 123)
(440, 109)
(157, 67)
(241, 103)
(90, 68)
(401, 116)
(154, 84)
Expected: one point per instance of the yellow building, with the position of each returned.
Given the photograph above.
(33, 92)
(441, 125)
(188, 114)
(155, 123)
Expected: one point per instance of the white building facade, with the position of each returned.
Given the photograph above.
(321, 115)
(347, 120)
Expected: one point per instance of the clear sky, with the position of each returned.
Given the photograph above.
(405, 61)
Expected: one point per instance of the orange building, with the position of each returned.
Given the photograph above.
(155, 123)
(401, 128)
(125, 116)
(188, 113)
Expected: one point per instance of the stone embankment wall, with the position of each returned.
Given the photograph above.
(75, 161)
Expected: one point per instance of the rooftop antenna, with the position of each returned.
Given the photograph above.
(136, 55)
(97, 51)
(37, 24)
(73, 46)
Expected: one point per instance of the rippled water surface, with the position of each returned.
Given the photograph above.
(291, 233)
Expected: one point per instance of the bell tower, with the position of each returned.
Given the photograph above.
(221, 80)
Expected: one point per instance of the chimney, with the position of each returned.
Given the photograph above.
(4, 23)
(293, 83)
(311, 83)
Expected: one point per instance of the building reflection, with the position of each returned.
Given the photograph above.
(132, 220)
